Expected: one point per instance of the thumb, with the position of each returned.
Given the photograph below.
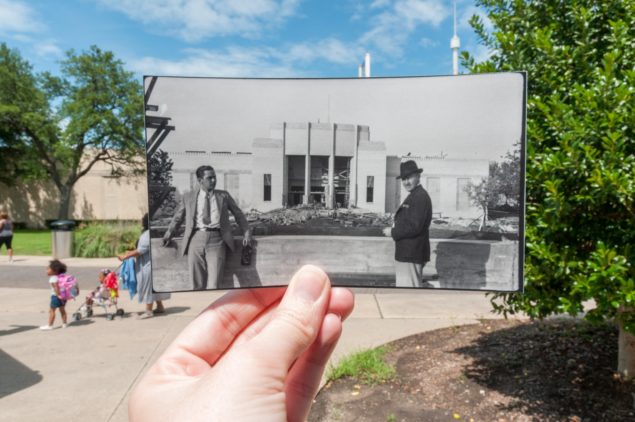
(297, 320)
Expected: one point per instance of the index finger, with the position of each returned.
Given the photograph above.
(206, 338)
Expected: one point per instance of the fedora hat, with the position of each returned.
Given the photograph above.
(407, 168)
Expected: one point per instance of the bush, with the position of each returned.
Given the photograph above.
(102, 240)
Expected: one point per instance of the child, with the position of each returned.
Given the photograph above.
(54, 269)
(106, 290)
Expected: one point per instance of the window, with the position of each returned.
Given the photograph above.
(370, 186)
(267, 190)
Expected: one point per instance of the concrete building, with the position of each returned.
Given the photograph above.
(96, 196)
(337, 165)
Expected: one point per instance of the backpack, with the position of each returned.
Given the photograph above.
(68, 286)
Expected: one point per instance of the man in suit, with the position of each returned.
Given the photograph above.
(410, 230)
(207, 229)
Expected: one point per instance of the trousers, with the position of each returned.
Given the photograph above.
(408, 274)
(206, 259)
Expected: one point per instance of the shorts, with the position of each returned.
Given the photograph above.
(56, 302)
(6, 240)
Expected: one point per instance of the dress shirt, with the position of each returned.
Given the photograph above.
(213, 207)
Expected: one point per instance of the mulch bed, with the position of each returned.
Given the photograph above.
(497, 370)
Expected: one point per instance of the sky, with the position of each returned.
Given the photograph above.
(465, 117)
(239, 38)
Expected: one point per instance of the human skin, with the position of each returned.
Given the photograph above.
(411, 182)
(253, 355)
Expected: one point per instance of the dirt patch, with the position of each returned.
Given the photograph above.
(557, 370)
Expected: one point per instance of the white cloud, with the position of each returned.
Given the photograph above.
(378, 4)
(194, 20)
(291, 60)
(330, 49)
(17, 16)
(421, 11)
(466, 14)
(392, 27)
(228, 63)
(428, 42)
(48, 48)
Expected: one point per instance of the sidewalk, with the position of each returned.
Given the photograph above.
(42, 261)
(86, 371)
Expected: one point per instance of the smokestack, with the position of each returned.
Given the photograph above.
(367, 65)
(455, 44)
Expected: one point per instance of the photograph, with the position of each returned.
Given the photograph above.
(397, 182)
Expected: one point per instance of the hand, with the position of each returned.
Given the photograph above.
(121, 257)
(387, 231)
(252, 355)
(247, 238)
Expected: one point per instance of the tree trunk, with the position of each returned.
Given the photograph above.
(626, 354)
(484, 220)
(65, 202)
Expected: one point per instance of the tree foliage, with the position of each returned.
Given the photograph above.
(501, 187)
(162, 194)
(580, 59)
(23, 110)
(59, 127)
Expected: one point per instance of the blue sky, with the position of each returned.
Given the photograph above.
(248, 38)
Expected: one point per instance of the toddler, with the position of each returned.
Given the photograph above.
(54, 269)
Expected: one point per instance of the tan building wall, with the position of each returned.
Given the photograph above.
(96, 196)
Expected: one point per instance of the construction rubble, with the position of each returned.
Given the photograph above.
(304, 214)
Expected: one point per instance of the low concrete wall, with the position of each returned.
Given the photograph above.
(354, 260)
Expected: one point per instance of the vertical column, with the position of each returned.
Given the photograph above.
(285, 167)
(353, 173)
(307, 166)
(330, 193)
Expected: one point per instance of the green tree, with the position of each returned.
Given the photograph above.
(58, 128)
(23, 109)
(580, 59)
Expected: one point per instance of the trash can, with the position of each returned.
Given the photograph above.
(62, 238)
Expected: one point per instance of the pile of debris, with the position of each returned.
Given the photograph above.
(499, 225)
(303, 214)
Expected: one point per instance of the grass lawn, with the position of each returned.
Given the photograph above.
(31, 242)
(367, 366)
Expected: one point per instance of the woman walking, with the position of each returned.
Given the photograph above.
(6, 234)
(144, 280)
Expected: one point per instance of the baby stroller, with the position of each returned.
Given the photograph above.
(105, 296)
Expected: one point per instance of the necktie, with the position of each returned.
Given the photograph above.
(206, 210)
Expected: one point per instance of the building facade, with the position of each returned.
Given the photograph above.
(335, 165)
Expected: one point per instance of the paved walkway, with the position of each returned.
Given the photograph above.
(86, 371)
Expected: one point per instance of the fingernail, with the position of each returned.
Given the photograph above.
(309, 284)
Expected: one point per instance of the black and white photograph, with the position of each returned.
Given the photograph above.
(412, 182)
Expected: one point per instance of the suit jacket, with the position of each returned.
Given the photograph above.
(187, 212)
(412, 224)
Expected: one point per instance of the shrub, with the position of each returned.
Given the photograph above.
(101, 240)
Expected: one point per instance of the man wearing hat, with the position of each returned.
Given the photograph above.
(410, 229)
